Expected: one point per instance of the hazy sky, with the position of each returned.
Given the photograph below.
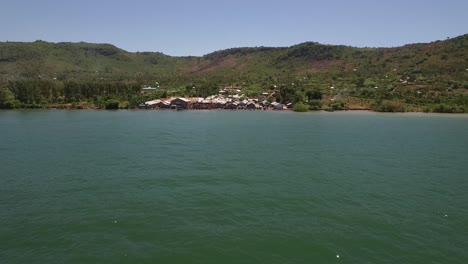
(183, 27)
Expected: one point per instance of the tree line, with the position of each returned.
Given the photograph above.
(47, 93)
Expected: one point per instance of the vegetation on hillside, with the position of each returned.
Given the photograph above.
(431, 77)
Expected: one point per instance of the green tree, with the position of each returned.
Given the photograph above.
(359, 82)
(299, 97)
(7, 99)
(314, 95)
(112, 104)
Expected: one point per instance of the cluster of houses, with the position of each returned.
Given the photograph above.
(232, 102)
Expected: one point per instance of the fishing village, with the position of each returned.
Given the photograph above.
(229, 98)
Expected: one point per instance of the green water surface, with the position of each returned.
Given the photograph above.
(232, 187)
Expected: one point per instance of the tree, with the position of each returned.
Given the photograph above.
(286, 94)
(112, 104)
(7, 99)
(314, 95)
(299, 97)
(204, 90)
(360, 82)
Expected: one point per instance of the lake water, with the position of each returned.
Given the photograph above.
(232, 187)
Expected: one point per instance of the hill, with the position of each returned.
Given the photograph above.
(432, 70)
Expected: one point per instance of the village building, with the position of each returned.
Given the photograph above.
(152, 103)
(163, 105)
(265, 103)
(194, 100)
(243, 104)
(232, 88)
(148, 89)
(180, 103)
(232, 106)
(252, 106)
(277, 106)
(219, 101)
(155, 104)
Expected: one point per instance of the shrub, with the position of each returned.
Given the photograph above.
(124, 105)
(112, 104)
(337, 105)
(389, 106)
(315, 104)
(300, 107)
(443, 108)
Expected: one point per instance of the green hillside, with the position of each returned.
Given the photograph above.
(417, 77)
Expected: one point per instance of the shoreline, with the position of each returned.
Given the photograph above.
(353, 111)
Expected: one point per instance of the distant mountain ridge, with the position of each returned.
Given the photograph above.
(87, 60)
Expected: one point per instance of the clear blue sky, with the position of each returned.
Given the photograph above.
(197, 27)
